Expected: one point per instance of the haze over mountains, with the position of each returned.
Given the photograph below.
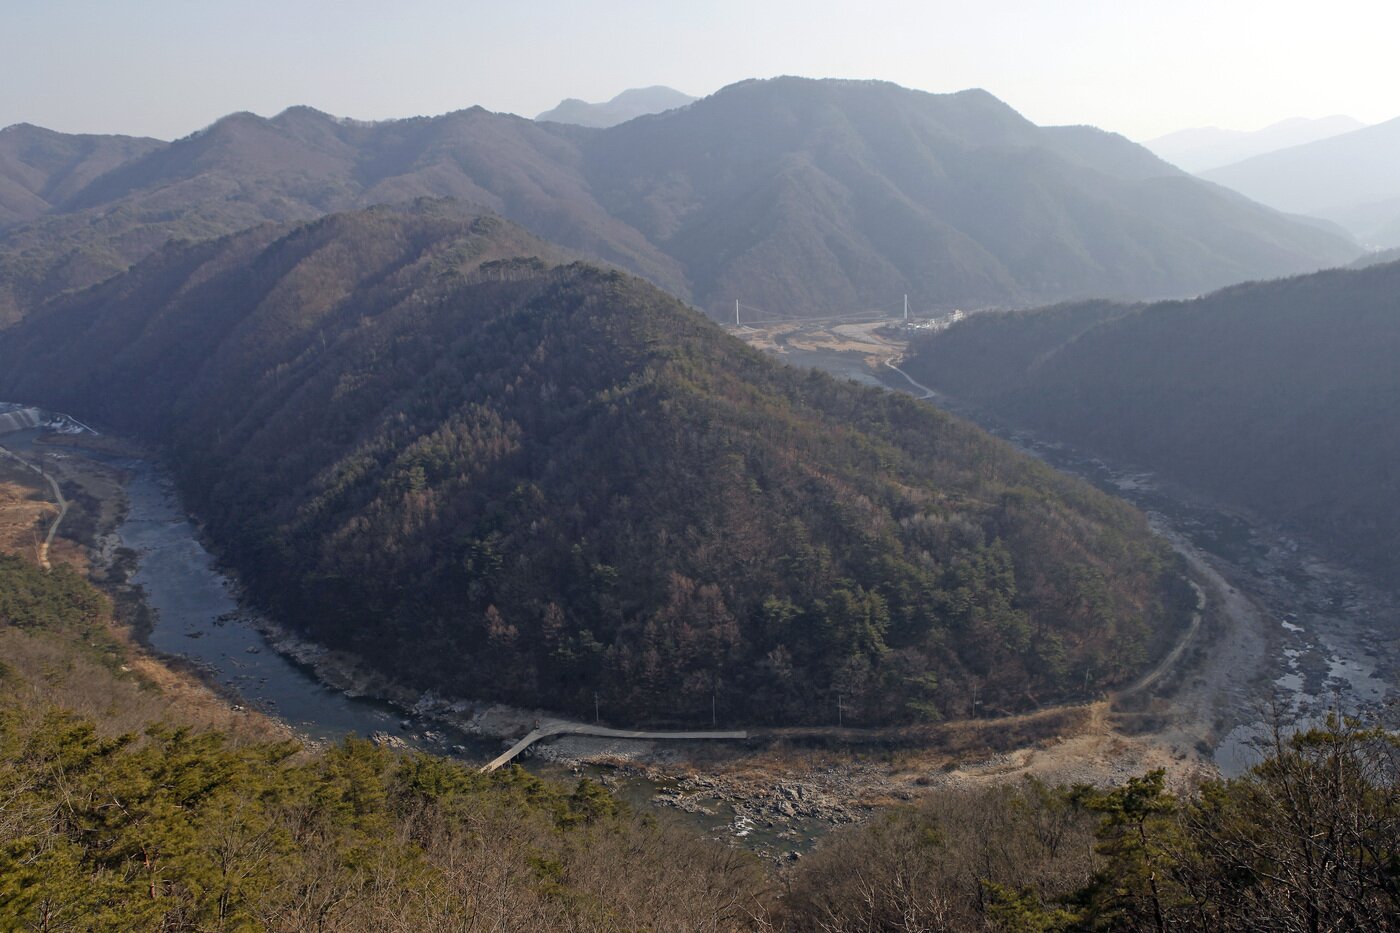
(1279, 397)
(630, 104)
(794, 195)
(40, 168)
(401, 531)
(486, 473)
(1350, 179)
(1203, 148)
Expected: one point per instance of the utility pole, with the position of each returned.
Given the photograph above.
(595, 707)
(840, 711)
(906, 309)
(714, 721)
(736, 312)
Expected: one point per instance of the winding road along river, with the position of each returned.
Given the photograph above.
(1303, 637)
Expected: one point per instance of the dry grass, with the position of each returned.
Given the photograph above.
(147, 688)
(24, 509)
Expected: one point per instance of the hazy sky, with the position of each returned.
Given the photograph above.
(167, 67)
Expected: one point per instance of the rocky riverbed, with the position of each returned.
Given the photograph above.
(772, 796)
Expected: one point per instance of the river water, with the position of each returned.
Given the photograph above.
(197, 617)
(1333, 638)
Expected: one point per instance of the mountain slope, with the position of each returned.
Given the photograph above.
(802, 196)
(630, 104)
(129, 807)
(1278, 397)
(245, 170)
(1205, 148)
(1377, 258)
(496, 476)
(1349, 179)
(794, 195)
(41, 169)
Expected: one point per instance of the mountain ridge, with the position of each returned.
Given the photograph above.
(627, 105)
(1274, 397)
(1348, 179)
(798, 195)
(1201, 149)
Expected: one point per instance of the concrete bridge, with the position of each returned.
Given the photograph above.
(577, 728)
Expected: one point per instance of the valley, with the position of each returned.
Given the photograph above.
(786, 787)
(1293, 635)
(819, 505)
(1201, 708)
(776, 793)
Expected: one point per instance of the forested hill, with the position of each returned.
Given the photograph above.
(798, 196)
(502, 477)
(133, 802)
(1277, 396)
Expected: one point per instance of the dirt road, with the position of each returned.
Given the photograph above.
(59, 499)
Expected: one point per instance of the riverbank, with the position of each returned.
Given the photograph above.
(1289, 636)
(775, 792)
(1294, 637)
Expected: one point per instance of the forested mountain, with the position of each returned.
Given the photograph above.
(801, 196)
(41, 169)
(795, 195)
(630, 104)
(301, 164)
(1348, 179)
(498, 476)
(1277, 396)
(126, 810)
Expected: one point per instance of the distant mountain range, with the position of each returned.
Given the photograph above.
(40, 168)
(797, 196)
(1377, 258)
(423, 440)
(1201, 149)
(630, 104)
(1278, 397)
(1351, 180)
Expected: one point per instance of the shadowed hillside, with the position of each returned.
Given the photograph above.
(1277, 396)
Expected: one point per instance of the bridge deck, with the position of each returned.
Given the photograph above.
(577, 728)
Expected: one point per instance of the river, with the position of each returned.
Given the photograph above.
(1325, 636)
(197, 617)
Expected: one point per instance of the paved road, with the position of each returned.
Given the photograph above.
(58, 497)
(577, 728)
